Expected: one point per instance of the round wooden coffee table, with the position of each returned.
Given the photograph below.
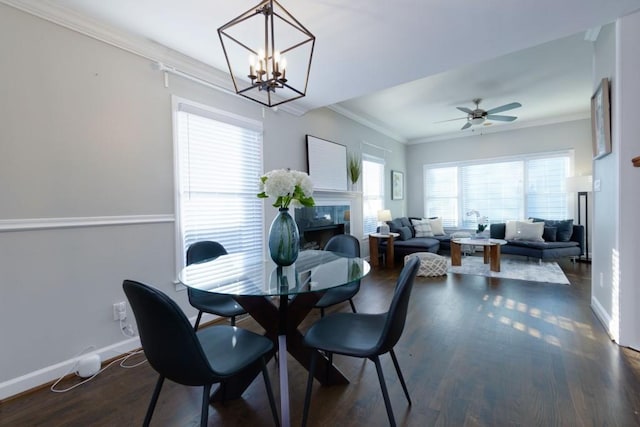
(491, 250)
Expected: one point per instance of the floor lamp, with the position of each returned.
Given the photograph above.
(582, 185)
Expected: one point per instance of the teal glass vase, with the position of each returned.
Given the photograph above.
(284, 239)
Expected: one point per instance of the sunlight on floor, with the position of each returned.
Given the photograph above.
(561, 322)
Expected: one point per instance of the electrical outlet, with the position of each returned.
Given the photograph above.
(119, 311)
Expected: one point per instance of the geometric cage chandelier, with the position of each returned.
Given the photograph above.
(268, 53)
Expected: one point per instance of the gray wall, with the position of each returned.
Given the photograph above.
(86, 138)
(574, 135)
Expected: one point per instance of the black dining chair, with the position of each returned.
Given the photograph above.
(365, 336)
(207, 302)
(347, 245)
(188, 357)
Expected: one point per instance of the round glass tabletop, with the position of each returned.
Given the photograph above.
(243, 275)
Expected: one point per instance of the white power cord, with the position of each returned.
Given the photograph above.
(128, 331)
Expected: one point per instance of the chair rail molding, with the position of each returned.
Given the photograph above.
(78, 222)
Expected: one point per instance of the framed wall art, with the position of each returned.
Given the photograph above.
(397, 185)
(601, 120)
(327, 164)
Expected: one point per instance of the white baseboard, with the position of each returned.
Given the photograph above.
(603, 317)
(51, 373)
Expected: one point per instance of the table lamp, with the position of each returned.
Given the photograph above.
(384, 216)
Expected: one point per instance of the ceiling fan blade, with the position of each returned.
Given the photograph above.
(501, 118)
(466, 126)
(451, 120)
(504, 108)
(465, 110)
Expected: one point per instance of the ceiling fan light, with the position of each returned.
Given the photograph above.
(477, 120)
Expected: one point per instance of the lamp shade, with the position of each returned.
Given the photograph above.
(384, 215)
(579, 184)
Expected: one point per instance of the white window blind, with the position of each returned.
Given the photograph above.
(494, 190)
(531, 186)
(372, 192)
(442, 195)
(219, 162)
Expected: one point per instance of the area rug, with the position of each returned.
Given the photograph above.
(548, 271)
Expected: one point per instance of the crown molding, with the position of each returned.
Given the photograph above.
(365, 122)
(189, 67)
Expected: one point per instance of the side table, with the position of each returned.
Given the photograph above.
(373, 248)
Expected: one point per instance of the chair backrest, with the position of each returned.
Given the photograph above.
(167, 337)
(397, 313)
(344, 243)
(204, 251)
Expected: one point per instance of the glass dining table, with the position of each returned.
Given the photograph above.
(278, 298)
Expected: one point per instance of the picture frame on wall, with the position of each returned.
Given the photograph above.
(397, 185)
(601, 120)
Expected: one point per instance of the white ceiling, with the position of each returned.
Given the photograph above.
(401, 66)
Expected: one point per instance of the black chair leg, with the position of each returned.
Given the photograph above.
(233, 320)
(272, 401)
(322, 312)
(206, 395)
(307, 398)
(385, 393)
(195, 327)
(330, 357)
(404, 385)
(353, 307)
(154, 400)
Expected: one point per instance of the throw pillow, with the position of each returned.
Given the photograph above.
(405, 221)
(565, 227)
(395, 225)
(405, 233)
(422, 227)
(436, 226)
(529, 231)
(510, 228)
(550, 233)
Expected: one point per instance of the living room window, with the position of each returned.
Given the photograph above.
(502, 189)
(372, 192)
(218, 162)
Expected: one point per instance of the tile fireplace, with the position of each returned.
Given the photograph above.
(319, 223)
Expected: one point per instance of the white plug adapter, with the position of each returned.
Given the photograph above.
(88, 366)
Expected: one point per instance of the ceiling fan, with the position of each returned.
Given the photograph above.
(478, 116)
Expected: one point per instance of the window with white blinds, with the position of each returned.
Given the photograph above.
(530, 186)
(372, 192)
(218, 162)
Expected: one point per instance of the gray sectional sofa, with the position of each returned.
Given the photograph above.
(569, 242)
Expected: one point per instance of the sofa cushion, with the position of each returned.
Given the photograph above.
(510, 228)
(405, 233)
(529, 231)
(497, 230)
(436, 226)
(395, 225)
(422, 227)
(550, 233)
(541, 245)
(405, 221)
(417, 243)
(565, 227)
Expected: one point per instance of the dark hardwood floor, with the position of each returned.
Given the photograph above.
(475, 352)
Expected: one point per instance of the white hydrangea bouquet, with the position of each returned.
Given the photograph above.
(288, 187)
